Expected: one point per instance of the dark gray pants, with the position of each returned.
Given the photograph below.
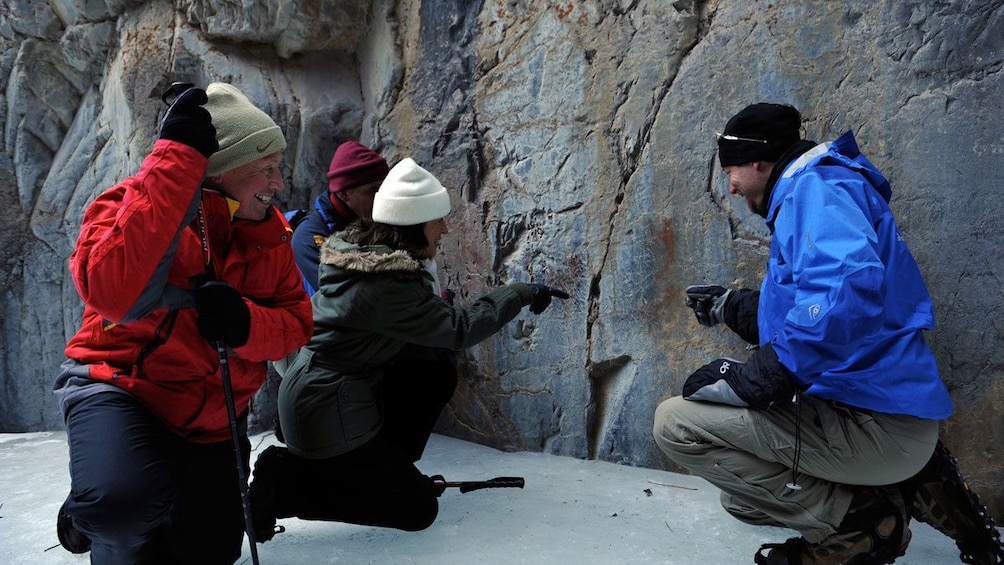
(749, 454)
(376, 484)
(144, 495)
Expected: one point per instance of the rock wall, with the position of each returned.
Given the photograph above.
(576, 139)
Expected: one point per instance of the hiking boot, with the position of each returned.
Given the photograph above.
(852, 548)
(69, 537)
(874, 532)
(939, 495)
(263, 492)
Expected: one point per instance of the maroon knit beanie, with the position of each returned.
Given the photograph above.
(354, 165)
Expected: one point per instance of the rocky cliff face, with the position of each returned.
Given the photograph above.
(576, 139)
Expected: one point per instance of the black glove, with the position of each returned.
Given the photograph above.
(223, 314)
(708, 303)
(438, 484)
(542, 297)
(758, 383)
(186, 121)
(716, 382)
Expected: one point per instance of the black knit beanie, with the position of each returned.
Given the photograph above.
(759, 132)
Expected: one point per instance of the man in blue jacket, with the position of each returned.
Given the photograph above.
(842, 396)
(354, 177)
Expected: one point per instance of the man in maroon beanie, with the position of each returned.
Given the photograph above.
(354, 176)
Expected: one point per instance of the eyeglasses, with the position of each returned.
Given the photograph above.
(726, 137)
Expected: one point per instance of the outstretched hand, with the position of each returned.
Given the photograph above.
(708, 303)
(542, 295)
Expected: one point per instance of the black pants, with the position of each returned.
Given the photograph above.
(143, 495)
(376, 484)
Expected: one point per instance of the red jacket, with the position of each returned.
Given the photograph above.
(130, 304)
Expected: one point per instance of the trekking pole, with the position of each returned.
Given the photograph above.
(169, 97)
(497, 482)
(228, 393)
(228, 396)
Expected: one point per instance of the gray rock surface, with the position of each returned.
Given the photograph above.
(577, 142)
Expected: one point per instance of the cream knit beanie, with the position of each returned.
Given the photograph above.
(245, 133)
(409, 196)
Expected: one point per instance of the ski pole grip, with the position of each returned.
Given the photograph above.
(174, 91)
(497, 482)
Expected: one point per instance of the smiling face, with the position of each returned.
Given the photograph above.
(749, 180)
(434, 230)
(253, 185)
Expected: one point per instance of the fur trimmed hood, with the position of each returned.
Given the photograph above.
(371, 259)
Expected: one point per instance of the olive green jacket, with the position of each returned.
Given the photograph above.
(374, 306)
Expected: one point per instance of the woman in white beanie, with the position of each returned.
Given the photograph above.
(187, 253)
(359, 402)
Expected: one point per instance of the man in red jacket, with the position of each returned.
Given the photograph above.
(152, 461)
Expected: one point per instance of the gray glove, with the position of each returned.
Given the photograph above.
(708, 303)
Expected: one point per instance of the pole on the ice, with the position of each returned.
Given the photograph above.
(497, 482)
(228, 394)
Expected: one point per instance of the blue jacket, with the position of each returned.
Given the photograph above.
(310, 233)
(843, 303)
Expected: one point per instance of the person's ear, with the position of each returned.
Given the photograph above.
(763, 167)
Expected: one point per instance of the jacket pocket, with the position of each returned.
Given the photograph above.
(359, 408)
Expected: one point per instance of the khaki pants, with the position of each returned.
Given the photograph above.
(749, 454)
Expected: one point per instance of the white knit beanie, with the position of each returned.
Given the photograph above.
(245, 133)
(409, 196)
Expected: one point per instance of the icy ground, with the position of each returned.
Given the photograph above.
(571, 511)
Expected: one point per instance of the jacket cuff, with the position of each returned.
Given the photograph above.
(768, 381)
(523, 290)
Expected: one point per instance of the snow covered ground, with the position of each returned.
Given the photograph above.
(571, 511)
